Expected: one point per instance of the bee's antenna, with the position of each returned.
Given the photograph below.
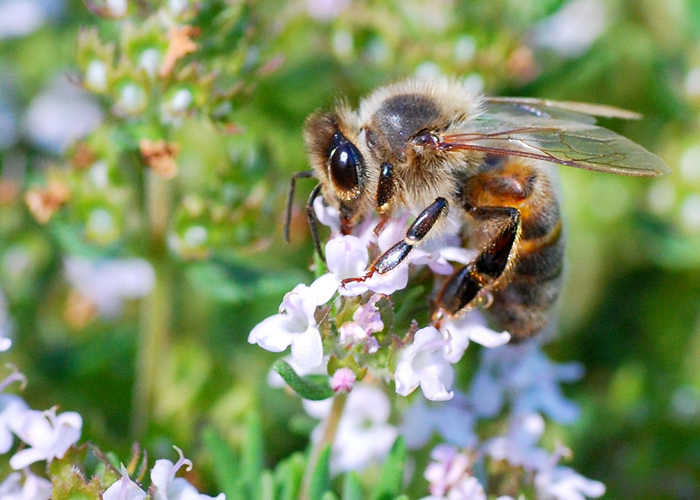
(310, 214)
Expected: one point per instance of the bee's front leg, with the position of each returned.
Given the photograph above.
(462, 287)
(418, 230)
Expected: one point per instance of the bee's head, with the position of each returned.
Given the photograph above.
(339, 165)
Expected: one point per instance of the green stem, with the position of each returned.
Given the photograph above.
(327, 438)
(156, 308)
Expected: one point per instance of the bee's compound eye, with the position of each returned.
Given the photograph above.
(344, 167)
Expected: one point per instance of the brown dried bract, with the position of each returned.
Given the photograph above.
(8, 192)
(43, 203)
(180, 45)
(160, 156)
(83, 156)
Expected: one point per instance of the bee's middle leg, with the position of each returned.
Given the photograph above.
(464, 285)
(418, 230)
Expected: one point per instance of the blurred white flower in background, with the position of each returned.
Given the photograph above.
(34, 487)
(108, 283)
(453, 421)
(60, 115)
(573, 29)
(449, 475)
(22, 17)
(364, 433)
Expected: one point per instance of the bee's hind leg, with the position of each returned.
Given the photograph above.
(462, 287)
(418, 230)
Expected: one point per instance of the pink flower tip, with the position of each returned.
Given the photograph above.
(343, 380)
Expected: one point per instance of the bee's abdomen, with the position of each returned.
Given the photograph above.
(524, 302)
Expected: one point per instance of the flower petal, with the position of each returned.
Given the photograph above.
(307, 348)
(271, 334)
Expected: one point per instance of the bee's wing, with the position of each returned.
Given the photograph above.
(545, 108)
(578, 144)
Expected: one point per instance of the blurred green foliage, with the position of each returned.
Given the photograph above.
(213, 231)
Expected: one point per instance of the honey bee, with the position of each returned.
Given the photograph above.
(476, 166)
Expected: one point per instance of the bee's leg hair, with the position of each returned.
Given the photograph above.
(466, 283)
(418, 230)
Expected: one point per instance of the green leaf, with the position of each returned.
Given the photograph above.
(289, 475)
(252, 460)
(329, 495)
(352, 490)
(225, 464)
(320, 478)
(266, 486)
(314, 388)
(391, 478)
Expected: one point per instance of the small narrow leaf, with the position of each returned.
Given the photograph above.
(391, 478)
(289, 475)
(252, 460)
(267, 486)
(320, 477)
(329, 495)
(225, 463)
(314, 388)
(352, 490)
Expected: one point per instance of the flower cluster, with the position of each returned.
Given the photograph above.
(359, 330)
(48, 435)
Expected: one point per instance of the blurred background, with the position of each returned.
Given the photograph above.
(145, 152)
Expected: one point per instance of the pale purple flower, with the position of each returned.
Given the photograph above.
(295, 325)
(343, 380)
(34, 487)
(108, 283)
(364, 434)
(471, 326)
(366, 320)
(5, 325)
(48, 435)
(450, 476)
(20, 17)
(11, 410)
(523, 376)
(326, 10)
(169, 487)
(519, 446)
(423, 363)
(327, 215)
(564, 483)
(452, 420)
(124, 489)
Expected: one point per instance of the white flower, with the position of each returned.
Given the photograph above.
(295, 325)
(48, 435)
(573, 29)
(107, 283)
(169, 487)
(471, 326)
(423, 363)
(450, 478)
(11, 409)
(363, 432)
(34, 488)
(452, 420)
(124, 489)
(20, 17)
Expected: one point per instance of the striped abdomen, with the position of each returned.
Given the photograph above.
(526, 295)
